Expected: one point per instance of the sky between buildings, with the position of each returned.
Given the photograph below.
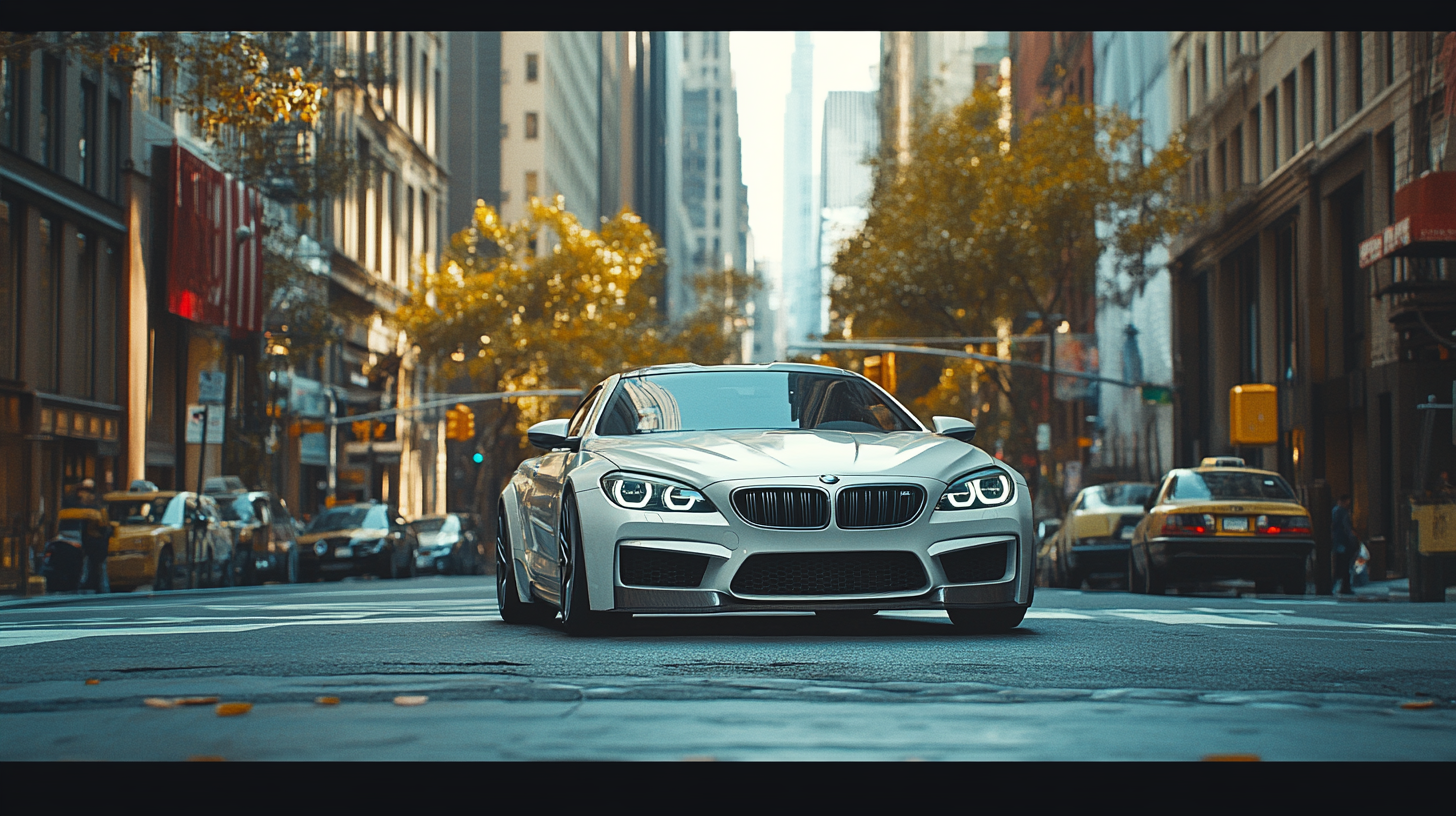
(843, 61)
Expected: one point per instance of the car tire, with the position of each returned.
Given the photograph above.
(1134, 575)
(166, 571)
(508, 600)
(577, 616)
(1153, 582)
(987, 621)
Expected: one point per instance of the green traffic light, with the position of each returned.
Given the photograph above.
(478, 458)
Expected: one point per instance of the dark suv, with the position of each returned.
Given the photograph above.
(367, 538)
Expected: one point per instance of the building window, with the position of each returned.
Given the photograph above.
(1357, 62)
(88, 144)
(1334, 82)
(45, 312)
(532, 125)
(1291, 113)
(533, 67)
(50, 113)
(12, 109)
(427, 241)
(1202, 72)
(532, 187)
(409, 85)
(1187, 94)
(114, 144)
(1307, 116)
(9, 293)
(1246, 273)
(1237, 173)
(1389, 57)
(1271, 109)
(1256, 148)
(1284, 274)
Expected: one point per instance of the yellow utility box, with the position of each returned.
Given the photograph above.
(881, 369)
(1254, 414)
(1437, 530)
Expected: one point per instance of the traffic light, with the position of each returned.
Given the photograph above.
(460, 423)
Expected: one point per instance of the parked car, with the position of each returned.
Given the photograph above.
(168, 539)
(776, 487)
(1091, 543)
(265, 536)
(367, 538)
(1223, 520)
(450, 544)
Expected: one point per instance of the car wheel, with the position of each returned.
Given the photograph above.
(1134, 575)
(166, 569)
(508, 600)
(577, 616)
(1153, 582)
(987, 621)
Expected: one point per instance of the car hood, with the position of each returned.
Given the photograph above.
(707, 457)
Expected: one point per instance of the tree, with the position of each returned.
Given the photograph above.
(976, 231)
(504, 315)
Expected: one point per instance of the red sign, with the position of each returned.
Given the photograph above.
(214, 274)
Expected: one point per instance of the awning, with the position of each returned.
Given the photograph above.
(215, 268)
(1425, 222)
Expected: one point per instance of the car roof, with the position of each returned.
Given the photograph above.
(147, 496)
(1227, 469)
(797, 367)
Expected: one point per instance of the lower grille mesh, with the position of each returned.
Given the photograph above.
(829, 573)
(976, 564)
(645, 567)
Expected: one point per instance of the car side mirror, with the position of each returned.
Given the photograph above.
(955, 428)
(551, 435)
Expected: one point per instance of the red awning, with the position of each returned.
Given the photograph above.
(214, 276)
(1425, 222)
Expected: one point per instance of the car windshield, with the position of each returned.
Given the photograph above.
(1230, 484)
(147, 511)
(1117, 495)
(238, 509)
(369, 517)
(730, 400)
(447, 524)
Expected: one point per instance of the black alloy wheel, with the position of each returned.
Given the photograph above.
(166, 568)
(508, 600)
(577, 616)
(987, 621)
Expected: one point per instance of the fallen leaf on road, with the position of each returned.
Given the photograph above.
(158, 702)
(233, 709)
(93, 682)
(1231, 758)
(1419, 704)
(411, 699)
(195, 700)
(326, 700)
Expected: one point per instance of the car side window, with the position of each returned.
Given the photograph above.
(578, 419)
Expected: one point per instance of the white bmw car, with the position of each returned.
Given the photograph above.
(777, 487)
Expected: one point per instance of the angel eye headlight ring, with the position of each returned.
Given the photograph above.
(983, 489)
(659, 495)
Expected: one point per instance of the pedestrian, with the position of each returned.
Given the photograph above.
(95, 539)
(1344, 543)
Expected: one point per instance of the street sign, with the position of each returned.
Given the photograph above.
(211, 387)
(214, 425)
(1157, 395)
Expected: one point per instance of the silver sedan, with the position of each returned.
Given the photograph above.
(777, 487)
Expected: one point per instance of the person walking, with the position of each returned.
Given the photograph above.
(95, 539)
(1344, 543)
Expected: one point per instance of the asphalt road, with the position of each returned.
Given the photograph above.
(1089, 675)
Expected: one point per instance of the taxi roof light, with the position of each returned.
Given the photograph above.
(1222, 461)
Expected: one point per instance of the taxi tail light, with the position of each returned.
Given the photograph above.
(1188, 523)
(1282, 525)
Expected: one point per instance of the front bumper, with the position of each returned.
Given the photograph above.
(728, 543)
(1228, 557)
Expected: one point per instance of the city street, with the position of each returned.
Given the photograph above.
(1089, 675)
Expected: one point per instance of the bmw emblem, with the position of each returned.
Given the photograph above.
(321, 548)
(828, 479)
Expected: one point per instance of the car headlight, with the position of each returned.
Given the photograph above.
(987, 488)
(639, 493)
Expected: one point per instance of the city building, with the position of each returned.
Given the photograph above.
(934, 68)
(713, 194)
(71, 376)
(803, 292)
(1049, 69)
(849, 140)
(475, 128)
(1133, 437)
(1323, 266)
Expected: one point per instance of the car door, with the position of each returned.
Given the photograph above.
(544, 505)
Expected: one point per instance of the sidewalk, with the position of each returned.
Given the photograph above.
(1396, 590)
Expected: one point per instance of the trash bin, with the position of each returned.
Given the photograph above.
(1432, 549)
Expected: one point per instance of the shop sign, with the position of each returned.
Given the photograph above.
(211, 387)
(215, 425)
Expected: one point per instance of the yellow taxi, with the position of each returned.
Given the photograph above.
(158, 535)
(1222, 520)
